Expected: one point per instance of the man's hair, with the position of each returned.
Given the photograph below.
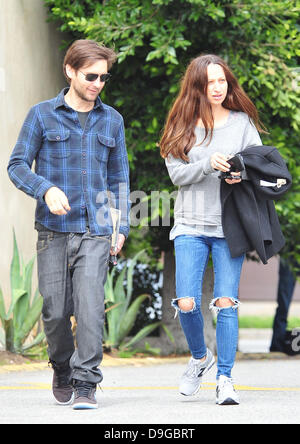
(86, 52)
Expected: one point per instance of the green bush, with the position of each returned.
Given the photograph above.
(24, 311)
(121, 313)
(156, 39)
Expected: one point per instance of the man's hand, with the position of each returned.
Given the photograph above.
(120, 243)
(57, 201)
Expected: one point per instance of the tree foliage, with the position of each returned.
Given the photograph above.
(155, 40)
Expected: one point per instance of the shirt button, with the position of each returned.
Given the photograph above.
(57, 137)
(84, 172)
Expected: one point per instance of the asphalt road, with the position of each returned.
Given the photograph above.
(269, 391)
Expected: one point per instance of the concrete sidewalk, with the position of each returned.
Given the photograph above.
(146, 392)
(266, 308)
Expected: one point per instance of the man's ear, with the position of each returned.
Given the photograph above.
(70, 71)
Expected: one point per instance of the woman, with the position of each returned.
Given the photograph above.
(211, 120)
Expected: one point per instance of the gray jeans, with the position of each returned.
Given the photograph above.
(72, 270)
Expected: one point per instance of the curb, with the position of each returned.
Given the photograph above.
(108, 361)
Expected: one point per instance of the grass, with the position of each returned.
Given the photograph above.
(265, 322)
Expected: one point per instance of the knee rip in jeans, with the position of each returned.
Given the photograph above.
(184, 305)
(226, 303)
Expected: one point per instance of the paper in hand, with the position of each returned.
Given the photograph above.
(116, 219)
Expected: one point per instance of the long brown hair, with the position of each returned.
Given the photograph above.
(192, 103)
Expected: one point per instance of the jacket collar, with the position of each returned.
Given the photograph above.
(60, 100)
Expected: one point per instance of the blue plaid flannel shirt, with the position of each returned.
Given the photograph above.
(89, 165)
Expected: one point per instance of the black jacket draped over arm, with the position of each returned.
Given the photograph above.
(249, 218)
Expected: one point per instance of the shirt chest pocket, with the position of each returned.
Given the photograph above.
(103, 146)
(58, 144)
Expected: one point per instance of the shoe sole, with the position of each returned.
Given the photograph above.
(65, 403)
(228, 401)
(85, 406)
(204, 373)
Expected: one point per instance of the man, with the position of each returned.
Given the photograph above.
(282, 338)
(81, 167)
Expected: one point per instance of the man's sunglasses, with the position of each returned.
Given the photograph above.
(93, 77)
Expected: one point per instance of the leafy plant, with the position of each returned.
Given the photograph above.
(156, 39)
(121, 312)
(23, 314)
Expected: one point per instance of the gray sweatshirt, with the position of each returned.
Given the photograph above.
(198, 205)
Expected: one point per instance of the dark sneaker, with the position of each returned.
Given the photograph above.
(61, 384)
(85, 395)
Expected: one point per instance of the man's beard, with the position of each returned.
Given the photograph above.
(81, 95)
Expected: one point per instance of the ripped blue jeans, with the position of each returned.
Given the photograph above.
(192, 255)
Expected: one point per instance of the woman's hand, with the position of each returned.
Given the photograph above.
(233, 181)
(219, 162)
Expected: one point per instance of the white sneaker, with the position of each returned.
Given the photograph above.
(191, 379)
(226, 394)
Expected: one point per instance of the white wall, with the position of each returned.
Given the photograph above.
(259, 282)
(30, 71)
